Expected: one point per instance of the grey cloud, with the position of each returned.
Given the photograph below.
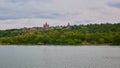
(84, 21)
(17, 14)
(112, 4)
(15, 1)
(12, 9)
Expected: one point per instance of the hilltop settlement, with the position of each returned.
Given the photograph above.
(90, 34)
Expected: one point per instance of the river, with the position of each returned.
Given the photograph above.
(59, 56)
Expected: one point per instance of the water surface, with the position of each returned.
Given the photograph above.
(59, 57)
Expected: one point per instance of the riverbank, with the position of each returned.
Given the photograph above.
(57, 45)
(91, 34)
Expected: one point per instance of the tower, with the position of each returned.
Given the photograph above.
(46, 26)
(68, 25)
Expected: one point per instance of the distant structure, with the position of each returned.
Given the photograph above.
(68, 25)
(33, 29)
(46, 26)
(24, 29)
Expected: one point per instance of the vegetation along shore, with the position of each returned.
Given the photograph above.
(63, 35)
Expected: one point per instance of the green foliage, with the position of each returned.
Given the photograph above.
(75, 35)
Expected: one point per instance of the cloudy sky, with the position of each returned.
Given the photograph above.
(33, 13)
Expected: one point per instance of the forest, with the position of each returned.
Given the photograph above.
(90, 34)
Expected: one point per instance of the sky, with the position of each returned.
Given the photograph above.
(34, 13)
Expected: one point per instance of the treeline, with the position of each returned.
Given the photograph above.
(73, 35)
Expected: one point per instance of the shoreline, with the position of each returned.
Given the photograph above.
(55, 45)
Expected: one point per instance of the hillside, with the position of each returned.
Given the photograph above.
(64, 35)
